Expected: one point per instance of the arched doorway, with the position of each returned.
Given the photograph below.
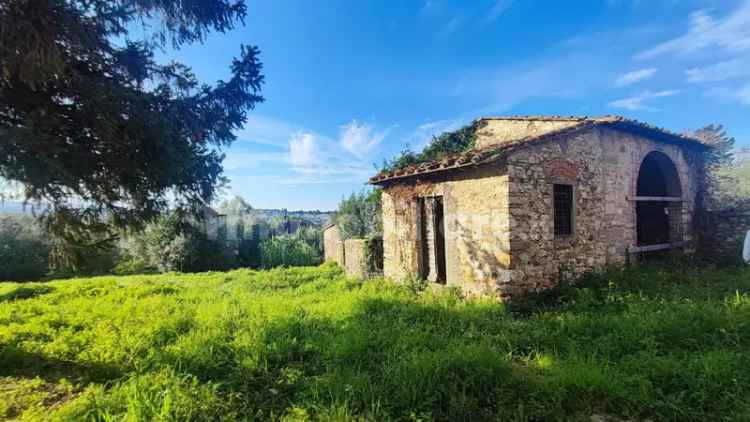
(658, 201)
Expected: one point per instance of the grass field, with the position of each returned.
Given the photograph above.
(647, 342)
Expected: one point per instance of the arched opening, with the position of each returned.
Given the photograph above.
(658, 201)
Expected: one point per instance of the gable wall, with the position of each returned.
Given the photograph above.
(607, 164)
(477, 239)
(501, 131)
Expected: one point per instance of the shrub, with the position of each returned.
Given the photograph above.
(24, 252)
(285, 251)
(360, 215)
(173, 243)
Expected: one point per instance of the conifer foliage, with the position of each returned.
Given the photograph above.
(92, 126)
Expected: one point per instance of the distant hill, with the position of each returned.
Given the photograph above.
(316, 217)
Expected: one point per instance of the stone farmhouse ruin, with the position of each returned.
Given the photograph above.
(539, 199)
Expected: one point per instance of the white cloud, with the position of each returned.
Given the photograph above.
(635, 76)
(360, 138)
(719, 72)
(637, 102)
(495, 11)
(304, 156)
(731, 34)
(302, 150)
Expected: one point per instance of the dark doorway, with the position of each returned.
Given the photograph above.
(439, 240)
(658, 203)
(432, 239)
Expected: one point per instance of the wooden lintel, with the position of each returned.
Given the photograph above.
(656, 198)
(653, 248)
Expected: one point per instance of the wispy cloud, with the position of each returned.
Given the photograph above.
(638, 102)
(243, 160)
(453, 25)
(730, 34)
(500, 89)
(422, 134)
(740, 94)
(267, 131)
(360, 138)
(497, 10)
(721, 71)
(455, 18)
(635, 76)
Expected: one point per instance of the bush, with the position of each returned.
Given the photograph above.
(360, 215)
(447, 143)
(24, 252)
(285, 251)
(173, 243)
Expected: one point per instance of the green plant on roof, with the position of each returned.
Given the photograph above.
(445, 144)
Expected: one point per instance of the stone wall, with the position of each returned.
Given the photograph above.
(722, 234)
(355, 264)
(333, 246)
(499, 222)
(360, 258)
(605, 164)
(364, 258)
(500, 131)
(475, 222)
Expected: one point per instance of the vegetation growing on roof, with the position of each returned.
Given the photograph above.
(447, 143)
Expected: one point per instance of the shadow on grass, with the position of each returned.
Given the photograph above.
(22, 292)
(20, 363)
(397, 358)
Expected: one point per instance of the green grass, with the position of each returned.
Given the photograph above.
(665, 342)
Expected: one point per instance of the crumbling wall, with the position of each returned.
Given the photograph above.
(722, 233)
(364, 258)
(476, 227)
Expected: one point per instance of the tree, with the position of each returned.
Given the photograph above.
(234, 206)
(722, 184)
(722, 151)
(93, 127)
(360, 215)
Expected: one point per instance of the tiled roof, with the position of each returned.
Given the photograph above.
(492, 153)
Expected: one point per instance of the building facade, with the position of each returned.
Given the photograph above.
(541, 199)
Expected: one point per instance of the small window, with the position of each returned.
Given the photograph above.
(563, 198)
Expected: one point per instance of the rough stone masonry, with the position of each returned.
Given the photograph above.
(541, 199)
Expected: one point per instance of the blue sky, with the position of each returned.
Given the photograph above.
(350, 83)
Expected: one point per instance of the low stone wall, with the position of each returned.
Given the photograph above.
(333, 246)
(722, 234)
(355, 251)
(363, 258)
